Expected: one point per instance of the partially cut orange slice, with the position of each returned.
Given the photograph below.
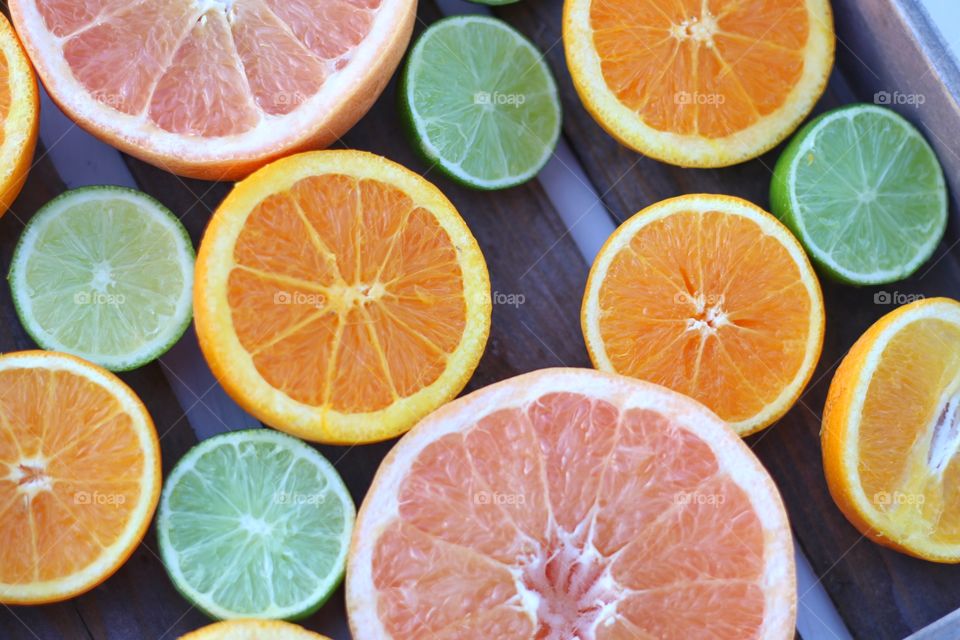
(19, 115)
(253, 630)
(79, 476)
(215, 88)
(569, 503)
(701, 83)
(340, 297)
(891, 431)
(710, 296)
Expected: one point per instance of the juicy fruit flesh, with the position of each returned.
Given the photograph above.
(910, 430)
(207, 67)
(255, 527)
(568, 517)
(70, 470)
(495, 121)
(103, 278)
(346, 293)
(869, 192)
(5, 93)
(697, 302)
(705, 67)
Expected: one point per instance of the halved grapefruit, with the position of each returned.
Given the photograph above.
(214, 88)
(569, 503)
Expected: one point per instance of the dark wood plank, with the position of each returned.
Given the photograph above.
(879, 593)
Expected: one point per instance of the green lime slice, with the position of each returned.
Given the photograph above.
(863, 192)
(104, 273)
(255, 524)
(480, 103)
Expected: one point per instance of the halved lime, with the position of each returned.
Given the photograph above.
(104, 273)
(255, 524)
(863, 192)
(480, 102)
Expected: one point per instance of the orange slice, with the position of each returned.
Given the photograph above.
(710, 296)
(699, 83)
(253, 630)
(569, 503)
(891, 431)
(79, 476)
(19, 115)
(340, 297)
(214, 88)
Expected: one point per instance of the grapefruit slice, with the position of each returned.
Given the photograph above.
(214, 88)
(699, 83)
(19, 115)
(891, 431)
(569, 503)
(710, 296)
(340, 297)
(253, 630)
(79, 476)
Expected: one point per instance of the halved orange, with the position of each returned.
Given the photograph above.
(214, 89)
(699, 83)
(569, 503)
(19, 115)
(340, 297)
(891, 431)
(79, 476)
(252, 630)
(710, 296)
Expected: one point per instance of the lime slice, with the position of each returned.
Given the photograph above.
(255, 524)
(863, 192)
(480, 102)
(104, 273)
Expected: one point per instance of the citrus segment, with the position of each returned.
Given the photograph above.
(105, 273)
(864, 192)
(480, 102)
(340, 297)
(252, 630)
(215, 89)
(890, 436)
(81, 476)
(571, 503)
(19, 115)
(255, 524)
(712, 297)
(699, 83)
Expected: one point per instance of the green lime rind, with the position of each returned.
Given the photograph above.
(255, 524)
(864, 193)
(479, 102)
(120, 314)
